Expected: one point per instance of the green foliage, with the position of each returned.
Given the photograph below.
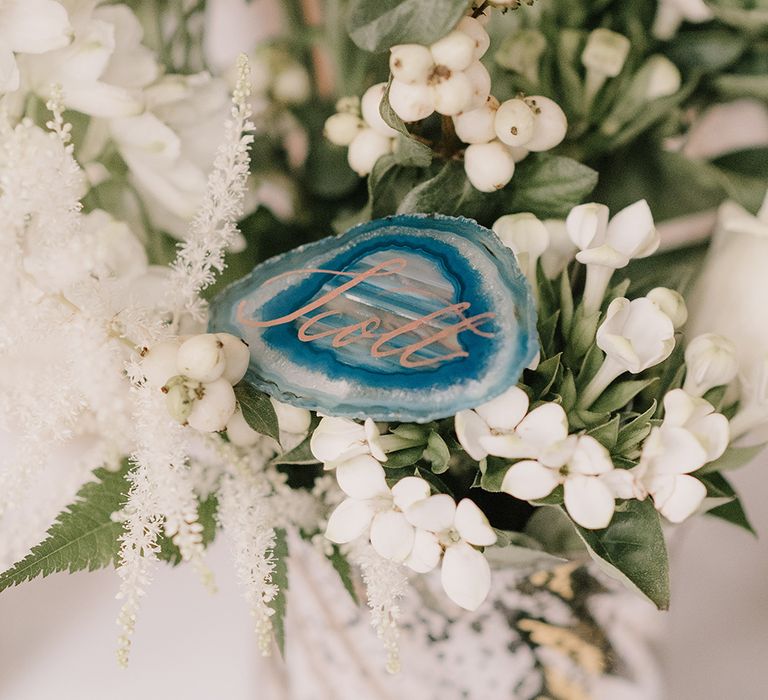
(376, 25)
(280, 579)
(258, 410)
(632, 549)
(344, 570)
(84, 536)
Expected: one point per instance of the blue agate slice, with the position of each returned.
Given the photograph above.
(408, 318)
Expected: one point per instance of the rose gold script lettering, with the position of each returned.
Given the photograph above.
(367, 328)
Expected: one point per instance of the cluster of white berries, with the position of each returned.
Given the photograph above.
(197, 374)
(359, 125)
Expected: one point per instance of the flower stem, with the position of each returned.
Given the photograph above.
(598, 277)
(608, 371)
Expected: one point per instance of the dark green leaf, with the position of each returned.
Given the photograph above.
(404, 458)
(733, 513)
(437, 453)
(635, 431)
(620, 394)
(84, 535)
(344, 570)
(606, 434)
(258, 410)
(493, 473)
(632, 549)
(301, 454)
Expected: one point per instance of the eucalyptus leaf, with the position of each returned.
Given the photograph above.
(258, 410)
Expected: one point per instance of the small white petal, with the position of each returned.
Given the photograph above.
(361, 477)
(544, 426)
(590, 457)
(632, 231)
(677, 451)
(392, 535)
(586, 225)
(589, 501)
(472, 525)
(509, 446)
(101, 100)
(35, 26)
(349, 520)
(679, 498)
(435, 513)
(465, 575)
(529, 480)
(504, 412)
(469, 429)
(623, 483)
(373, 438)
(334, 437)
(9, 71)
(408, 491)
(425, 554)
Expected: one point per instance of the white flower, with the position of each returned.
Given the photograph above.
(502, 428)
(607, 246)
(671, 303)
(710, 362)
(587, 473)
(465, 573)
(29, 26)
(634, 336)
(671, 13)
(336, 440)
(527, 237)
(691, 435)
(561, 248)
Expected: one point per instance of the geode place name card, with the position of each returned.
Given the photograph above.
(408, 318)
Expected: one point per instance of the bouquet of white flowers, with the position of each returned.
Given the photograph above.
(379, 316)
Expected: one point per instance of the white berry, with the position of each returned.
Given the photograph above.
(201, 358)
(475, 31)
(550, 124)
(514, 122)
(411, 63)
(453, 94)
(366, 148)
(455, 51)
(292, 419)
(342, 127)
(239, 432)
(411, 102)
(477, 125)
(211, 412)
(369, 106)
(236, 357)
(481, 84)
(159, 363)
(489, 166)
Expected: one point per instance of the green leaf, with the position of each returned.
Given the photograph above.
(437, 453)
(733, 513)
(706, 50)
(543, 377)
(404, 458)
(549, 186)
(620, 394)
(492, 474)
(377, 25)
(301, 454)
(84, 535)
(732, 458)
(635, 431)
(632, 549)
(344, 570)
(582, 337)
(280, 579)
(258, 410)
(409, 150)
(606, 434)
(388, 183)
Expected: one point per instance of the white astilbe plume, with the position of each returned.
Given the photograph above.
(385, 582)
(246, 514)
(214, 228)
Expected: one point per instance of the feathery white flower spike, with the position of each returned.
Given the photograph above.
(584, 467)
(605, 246)
(711, 361)
(634, 336)
(465, 573)
(502, 428)
(691, 435)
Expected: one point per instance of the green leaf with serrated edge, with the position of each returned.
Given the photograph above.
(493, 473)
(632, 549)
(566, 303)
(733, 513)
(635, 431)
(606, 434)
(437, 453)
(377, 25)
(620, 394)
(344, 570)
(549, 186)
(258, 410)
(279, 577)
(84, 535)
(206, 516)
(732, 458)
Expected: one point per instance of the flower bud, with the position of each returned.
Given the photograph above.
(711, 362)
(212, 411)
(671, 303)
(341, 128)
(605, 52)
(455, 51)
(236, 357)
(201, 358)
(369, 106)
(489, 166)
(660, 76)
(366, 148)
(477, 125)
(411, 63)
(526, 236)
(514, 122)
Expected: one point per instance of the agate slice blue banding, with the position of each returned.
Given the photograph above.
(408, 318)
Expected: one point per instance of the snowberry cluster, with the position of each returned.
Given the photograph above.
(197, 374)
(359, 125)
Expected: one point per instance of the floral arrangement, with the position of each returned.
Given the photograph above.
(132, 430)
